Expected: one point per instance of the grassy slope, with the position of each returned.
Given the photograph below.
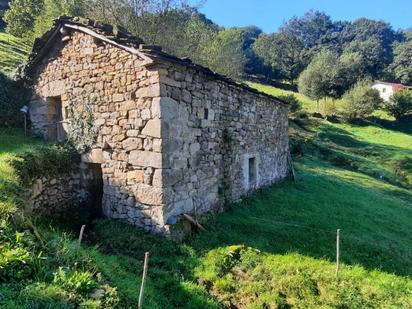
(292, 225)
(13, 52)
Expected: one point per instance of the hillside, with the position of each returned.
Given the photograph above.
(274, 250)
(13, 52)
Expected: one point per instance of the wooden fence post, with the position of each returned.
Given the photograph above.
(80, 237)
(145, 266)
(337, 252)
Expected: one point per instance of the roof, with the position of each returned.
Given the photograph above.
(119, 37)
(394, 85)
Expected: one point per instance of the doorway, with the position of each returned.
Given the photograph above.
(95, 187)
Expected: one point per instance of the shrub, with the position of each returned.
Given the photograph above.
(400, 104)
(46, 161)
(360, 101)
(294, 104)
(81, 282)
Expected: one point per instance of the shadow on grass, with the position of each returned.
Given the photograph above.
(303, 218)
(404, 125)
(341, 148)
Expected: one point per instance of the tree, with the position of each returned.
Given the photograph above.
(4, 5)
(402, 63)
(283, 52)
(372, 40)
(51, 10)
(225, 53)
(21, 16)
(360, 101)
(323, 77)
(400, 104)
(371, 54)
(313, 28)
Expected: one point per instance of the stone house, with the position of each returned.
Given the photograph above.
(173, 137)
(387, 90)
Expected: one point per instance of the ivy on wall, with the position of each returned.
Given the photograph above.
(82, 132)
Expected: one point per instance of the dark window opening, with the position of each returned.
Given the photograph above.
(206, 115)
(252, 171)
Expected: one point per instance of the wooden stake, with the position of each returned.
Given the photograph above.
(80, 237)
(193, 221)
(337, 252)
(145, 266)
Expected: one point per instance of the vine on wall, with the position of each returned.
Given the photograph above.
(82, 132)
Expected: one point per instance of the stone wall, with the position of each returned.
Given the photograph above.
(48, 195)
(211, 131)
(171, 140)
(120, 91)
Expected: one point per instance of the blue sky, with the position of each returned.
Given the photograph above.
(270, 14)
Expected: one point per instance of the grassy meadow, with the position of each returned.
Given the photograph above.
(13, 52)
(274, 250)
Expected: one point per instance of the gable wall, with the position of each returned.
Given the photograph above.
(120, 92)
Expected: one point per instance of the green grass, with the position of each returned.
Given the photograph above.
(308, 104)
(13, 52)
(276, 249)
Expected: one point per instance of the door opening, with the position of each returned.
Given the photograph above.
(96, 190)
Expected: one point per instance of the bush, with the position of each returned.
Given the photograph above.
(12, 98)
(46, 161)
(360, 101)
(294, 104)
(400, 104)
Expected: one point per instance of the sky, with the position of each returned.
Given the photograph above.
(270, 14)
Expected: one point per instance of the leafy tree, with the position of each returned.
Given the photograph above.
(225, 53)
(254, 64)
(283, 52)
(360, 101)
(51, 10)
(372, 40)
(323, 77)
(400, 104)
(4, 5)
(313, 28)
(21, 16)
(402, 63)
(371, 56)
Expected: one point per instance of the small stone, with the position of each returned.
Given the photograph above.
(118, 97)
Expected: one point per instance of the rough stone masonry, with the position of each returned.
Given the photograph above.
(173, 137)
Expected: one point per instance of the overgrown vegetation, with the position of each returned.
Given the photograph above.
(360, 49)
(13, 52)
(400, 104)
(360, 101)
(39, 267)
(46, 161)
(82, 132)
